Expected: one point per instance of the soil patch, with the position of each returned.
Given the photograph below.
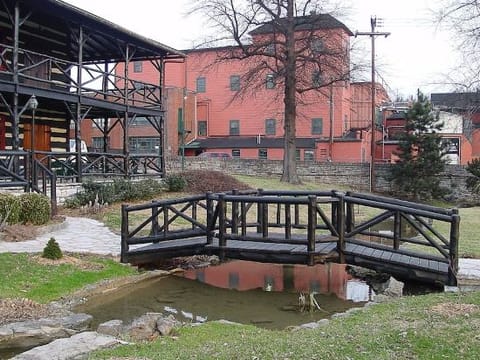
(70, 260)
(455, 310)
(24, 232)
(12, 310)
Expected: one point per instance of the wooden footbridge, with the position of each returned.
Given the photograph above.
(407, 240)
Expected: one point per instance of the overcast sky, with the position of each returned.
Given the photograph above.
(414, 56)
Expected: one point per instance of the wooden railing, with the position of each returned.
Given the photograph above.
(422, 238)
(298, 217)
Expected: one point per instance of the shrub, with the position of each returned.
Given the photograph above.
(116, 191)
(35, 209)
(473, 182)
(52, 250)
(202, 181)
(175, 182)
(10, 208)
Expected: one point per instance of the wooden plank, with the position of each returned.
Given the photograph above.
(423, 263)
(433, 265)
(415, 262)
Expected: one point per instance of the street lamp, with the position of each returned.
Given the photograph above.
(32, 105)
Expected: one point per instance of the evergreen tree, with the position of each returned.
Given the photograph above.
(421, 153)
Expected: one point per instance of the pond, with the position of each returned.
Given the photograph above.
(266, 295)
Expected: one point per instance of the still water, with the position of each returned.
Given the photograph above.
(266, 295)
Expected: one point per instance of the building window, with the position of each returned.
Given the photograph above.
(236, 153)
(270, 81)
(202, 128)
(262, 154)
(270, 126)
(317, 78)
(98, 143)
(235, 82)
(309, 155)
(140, 121)
(235, 127)
(345, 123)
(297, 154)
(316, 45)
(137, 66)
(144, 145)
(201, 85)
(317, 126)
(100, 123)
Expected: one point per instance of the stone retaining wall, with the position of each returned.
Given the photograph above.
(353, 175)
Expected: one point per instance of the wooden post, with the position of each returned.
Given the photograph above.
(222, 240)
(194, 213)
(454, 237)
(154, 230)
(341, 228)
(53, 194)
(235, 213)
(259, 213)
(165, 221)
(210, 224)
(311, 226)
(243, 220)
(124, 240)
(397, 230)
(350, 221)
(265, 220)
(288, 222)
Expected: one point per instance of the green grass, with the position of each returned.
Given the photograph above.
(23, 276)
(408, 328)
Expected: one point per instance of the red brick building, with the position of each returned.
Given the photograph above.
(332, 124)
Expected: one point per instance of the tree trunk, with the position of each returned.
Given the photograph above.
(289, 156)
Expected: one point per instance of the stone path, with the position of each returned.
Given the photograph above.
(76, 235)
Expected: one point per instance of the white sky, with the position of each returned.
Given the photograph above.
(414, 56)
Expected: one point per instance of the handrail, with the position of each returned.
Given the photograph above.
(256, 216)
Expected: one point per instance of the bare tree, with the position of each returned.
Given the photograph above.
(462, 18)
(305, 51)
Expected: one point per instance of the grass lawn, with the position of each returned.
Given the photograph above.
(437, 326)
(434, 326)
(25, 276)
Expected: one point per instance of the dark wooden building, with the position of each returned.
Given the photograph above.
(58, 66)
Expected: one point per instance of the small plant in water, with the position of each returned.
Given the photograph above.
(52, 250)
(307, 302)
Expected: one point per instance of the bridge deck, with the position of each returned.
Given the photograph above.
(401, 265)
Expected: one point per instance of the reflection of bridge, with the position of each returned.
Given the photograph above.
(418, 242)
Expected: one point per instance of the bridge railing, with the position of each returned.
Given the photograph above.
(163, 220)
(428, 232)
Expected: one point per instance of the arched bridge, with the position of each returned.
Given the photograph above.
(407, 240)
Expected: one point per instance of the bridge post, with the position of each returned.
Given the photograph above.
(259, 213)
(222, 225)
(397, 230)
(311, 227)
(350, 220)
(154, 230)
(210, 220)
(288, 222)
(235, 213)
(124, 240)
(454, 237)
(341, 226)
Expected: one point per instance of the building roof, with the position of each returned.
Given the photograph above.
(456, 100)
(243, 142)
(52, 24)
(305, 23)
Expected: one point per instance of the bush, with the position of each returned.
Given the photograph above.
(473, 182)
(175, 183)
(10, 208)
(52, 250)
(116, 191)
(202, 181)
(35, 209)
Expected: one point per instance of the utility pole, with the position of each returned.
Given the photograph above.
(373, 34)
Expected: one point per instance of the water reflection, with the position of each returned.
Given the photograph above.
(266, 295)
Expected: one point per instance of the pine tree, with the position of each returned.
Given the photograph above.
(421, 154)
